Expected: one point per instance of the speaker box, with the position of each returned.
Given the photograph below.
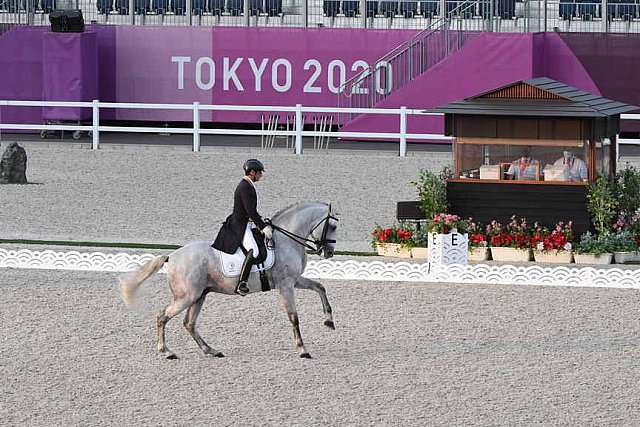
(66, 21)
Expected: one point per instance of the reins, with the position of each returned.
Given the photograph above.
(319, 243)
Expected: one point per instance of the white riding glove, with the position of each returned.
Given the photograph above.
(268, 232)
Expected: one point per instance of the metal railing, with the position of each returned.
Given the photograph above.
(297, 131)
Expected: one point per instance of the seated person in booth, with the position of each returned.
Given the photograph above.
(574, 168)
(523, 168)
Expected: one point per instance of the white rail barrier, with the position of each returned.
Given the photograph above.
(297, 133)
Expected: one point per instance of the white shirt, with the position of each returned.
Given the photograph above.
(574, 169)
(523, 172)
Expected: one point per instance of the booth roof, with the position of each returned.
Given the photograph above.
(567, 101)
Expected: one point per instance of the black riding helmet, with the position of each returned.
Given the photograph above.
(253, 164)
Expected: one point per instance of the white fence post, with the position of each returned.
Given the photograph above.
(403, 131)
(298, 149)
(196, 126)
(95, 123)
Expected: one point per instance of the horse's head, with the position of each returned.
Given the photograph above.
(324, 233)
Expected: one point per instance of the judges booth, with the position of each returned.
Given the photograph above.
(529, 149)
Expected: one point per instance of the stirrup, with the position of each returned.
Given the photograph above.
(242, 288)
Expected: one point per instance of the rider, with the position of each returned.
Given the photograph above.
(245, 200)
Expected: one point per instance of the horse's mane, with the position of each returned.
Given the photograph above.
(293, 205)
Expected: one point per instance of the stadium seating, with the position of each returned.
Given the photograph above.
(351, 8)
(588, 10)
(430, 8)
(505, 9)
(160, 7)
(388, 9)
(256, 7)
(273, 7)
(409, 9)
(216, 7)
(104, 6)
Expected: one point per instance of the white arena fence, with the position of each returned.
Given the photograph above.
(479, 274)
(297, 133)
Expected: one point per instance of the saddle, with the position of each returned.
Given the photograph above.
(253, 239)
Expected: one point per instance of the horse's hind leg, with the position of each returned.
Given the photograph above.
(190, 323)
(163, 318)
(289, 303)
(304, 283)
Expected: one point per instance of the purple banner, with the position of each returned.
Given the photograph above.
(490, 61)
(241, 66)
(288, 66)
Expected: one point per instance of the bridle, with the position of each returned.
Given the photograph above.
(307, 243)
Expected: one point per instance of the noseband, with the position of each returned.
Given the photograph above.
(307, 243)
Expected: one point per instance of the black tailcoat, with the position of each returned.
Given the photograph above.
(245, 202)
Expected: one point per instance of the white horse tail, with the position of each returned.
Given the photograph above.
(130, 282)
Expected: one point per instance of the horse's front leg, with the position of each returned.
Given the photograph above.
(304, 283)
(289, 303)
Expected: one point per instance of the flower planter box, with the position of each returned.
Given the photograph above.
(420, 253)
(554, 256)
(622, 257)
(393, 250)
(479, 253)
(451, 248)
(593, 259)
(510, 254)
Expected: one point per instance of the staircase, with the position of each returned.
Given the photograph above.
(405, 63)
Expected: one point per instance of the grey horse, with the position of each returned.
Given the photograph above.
(194, 270)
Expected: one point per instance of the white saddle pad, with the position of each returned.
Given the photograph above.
(231, 264)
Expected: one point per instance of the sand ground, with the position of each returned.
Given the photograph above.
(402, 354)
(168, 194)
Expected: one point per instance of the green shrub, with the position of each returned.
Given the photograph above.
(623, 241)
(601, 204)
(628, 191)
(596, 244)
(432, 192)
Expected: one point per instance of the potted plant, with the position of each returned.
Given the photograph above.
(420, 240)
(392, 241)
(624, 246)
(432, 191)
(478, 246)
(553, 245)
(448, 242)
(594, 249)
(510, 241)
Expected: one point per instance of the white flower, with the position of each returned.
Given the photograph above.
(567, 246)
(540, 246)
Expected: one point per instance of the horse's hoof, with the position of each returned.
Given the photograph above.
(212, 353)
(170, 356)
(305, 356)
(329, 324)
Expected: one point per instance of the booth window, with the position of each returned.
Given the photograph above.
(525, 149)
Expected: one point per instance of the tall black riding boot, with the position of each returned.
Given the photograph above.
(242, 288)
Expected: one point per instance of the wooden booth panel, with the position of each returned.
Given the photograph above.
(520, 127)
(546, 204)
